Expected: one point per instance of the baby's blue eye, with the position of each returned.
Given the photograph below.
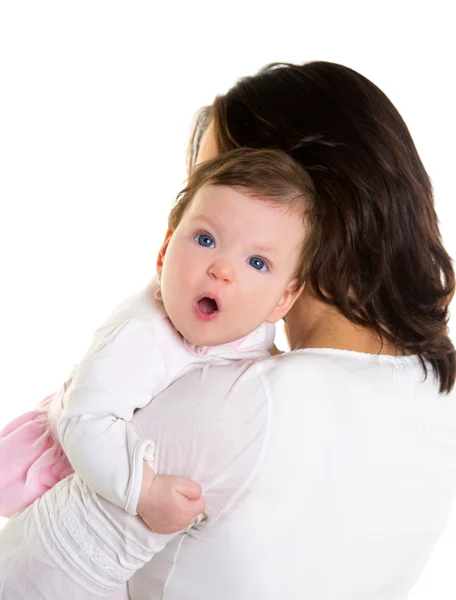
(205, 240)
(257, 263)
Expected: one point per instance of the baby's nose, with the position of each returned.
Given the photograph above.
(221, 271)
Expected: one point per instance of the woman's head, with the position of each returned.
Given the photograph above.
(380, 259)
(237, 246)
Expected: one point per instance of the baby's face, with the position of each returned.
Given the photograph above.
(229, 265)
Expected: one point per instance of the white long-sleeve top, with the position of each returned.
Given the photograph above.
(134, 355)
(327, 475)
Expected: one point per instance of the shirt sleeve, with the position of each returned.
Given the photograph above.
(209, 425)
(121, 372)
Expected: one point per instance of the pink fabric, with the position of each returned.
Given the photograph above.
(31, 459)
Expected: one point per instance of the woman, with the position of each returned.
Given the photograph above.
(357, 477)
(329, 471)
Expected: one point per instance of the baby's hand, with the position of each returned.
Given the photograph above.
(168, 504)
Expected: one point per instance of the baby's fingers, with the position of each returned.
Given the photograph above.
(195, 507)
(188, 488)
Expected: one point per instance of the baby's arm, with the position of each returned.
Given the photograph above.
(121, 372)
(71, 539)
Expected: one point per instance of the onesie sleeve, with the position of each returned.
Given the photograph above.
(209, 425)
(121, 372)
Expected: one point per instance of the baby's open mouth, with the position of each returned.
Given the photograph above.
(207, 305)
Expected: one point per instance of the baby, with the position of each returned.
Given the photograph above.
(231, 265)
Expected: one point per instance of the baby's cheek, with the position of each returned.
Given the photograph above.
(184, 257)
(257, 300)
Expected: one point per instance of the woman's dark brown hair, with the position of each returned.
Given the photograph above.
(380, 258)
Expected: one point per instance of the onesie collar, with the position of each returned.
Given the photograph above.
(263, 336)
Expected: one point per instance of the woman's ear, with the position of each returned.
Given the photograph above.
(288, 298)
(162, 252)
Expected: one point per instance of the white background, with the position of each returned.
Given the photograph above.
(96, 102)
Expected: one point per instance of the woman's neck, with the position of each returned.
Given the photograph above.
(312, 323)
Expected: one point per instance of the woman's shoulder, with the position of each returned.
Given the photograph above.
(332, 358)
(299, 364)
(320, 369)
(301, 369)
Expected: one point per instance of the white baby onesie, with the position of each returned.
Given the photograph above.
(133, 357)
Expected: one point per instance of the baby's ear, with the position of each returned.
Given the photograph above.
(288, 298)
(162, 252)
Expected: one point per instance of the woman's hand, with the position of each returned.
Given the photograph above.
(168, 504)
